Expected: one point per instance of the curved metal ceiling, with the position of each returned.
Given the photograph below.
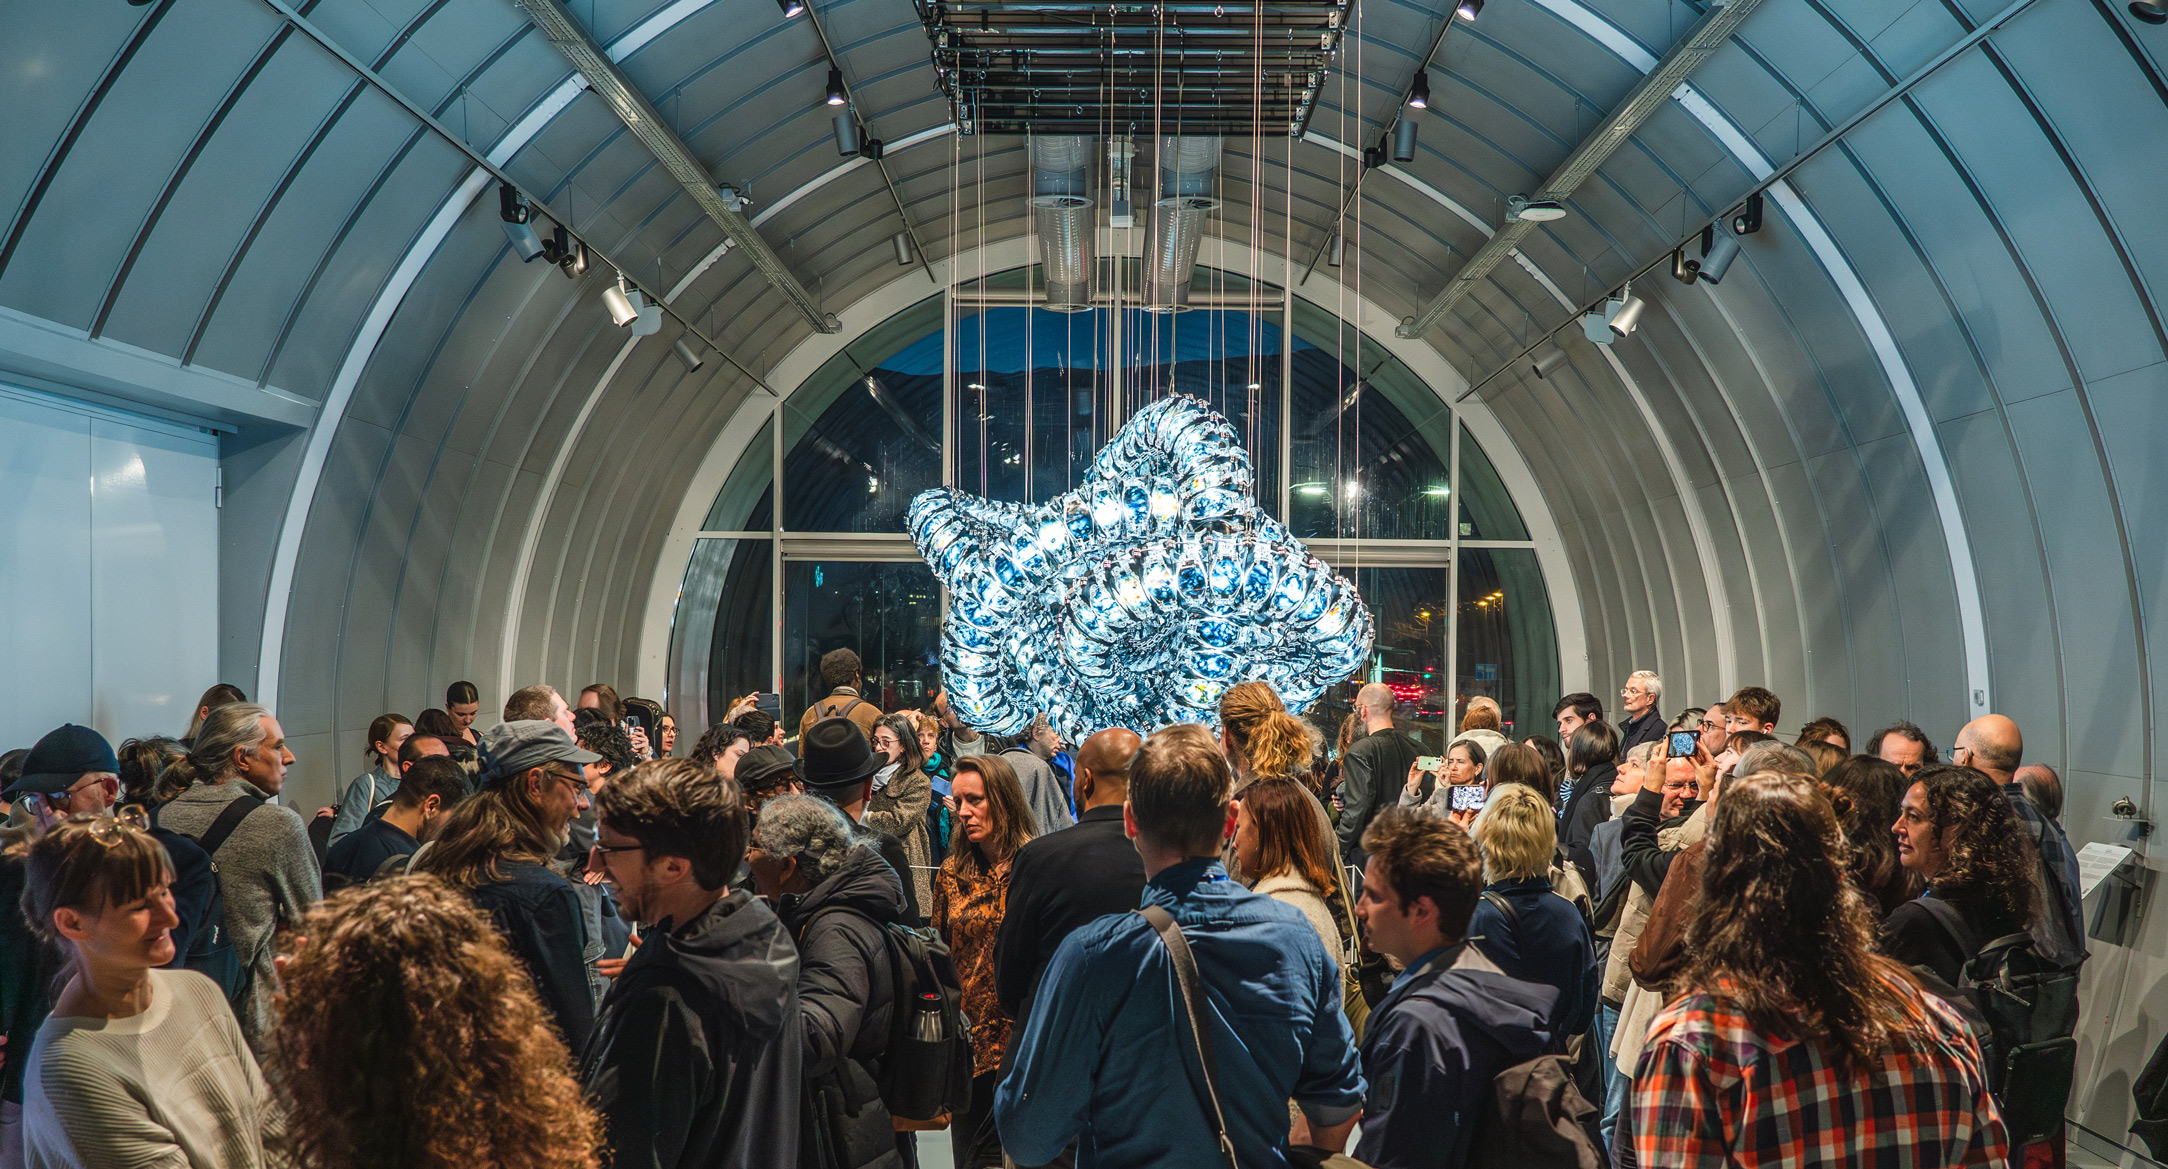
(1902, 461)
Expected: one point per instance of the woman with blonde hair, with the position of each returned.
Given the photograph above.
(1520, 923)
(1261, 740)
(970, 898)
(458, 1065)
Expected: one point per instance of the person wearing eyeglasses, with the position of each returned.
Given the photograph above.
(136, 1065)
(498, 845)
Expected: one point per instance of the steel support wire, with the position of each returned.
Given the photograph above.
(532, 199)
(1836, 134)
(1399, 111)
(617, 91)
(850, 98)
(1656, 87)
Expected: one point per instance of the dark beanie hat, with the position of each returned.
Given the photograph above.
(61, 758)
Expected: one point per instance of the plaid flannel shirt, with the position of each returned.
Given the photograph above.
(1711, 1092)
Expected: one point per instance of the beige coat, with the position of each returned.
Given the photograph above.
(1639, 1007)
(1292, 889)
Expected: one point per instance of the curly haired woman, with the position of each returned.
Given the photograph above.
(459, 1066)
(1956, 831)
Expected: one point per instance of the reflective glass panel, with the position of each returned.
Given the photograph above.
(888, 613)
(740, 660)
(1486, 507)
(747, 500)
(1508, 646)
(1370, 443)
(1409, 605)
(861, 438)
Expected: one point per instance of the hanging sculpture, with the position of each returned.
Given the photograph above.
(1136, 599)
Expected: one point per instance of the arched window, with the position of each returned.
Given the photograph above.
(1379, 479)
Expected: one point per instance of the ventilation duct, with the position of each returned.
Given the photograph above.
(1061, 211)
(1185, 200)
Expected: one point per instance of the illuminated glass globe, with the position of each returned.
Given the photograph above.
(1137, 599)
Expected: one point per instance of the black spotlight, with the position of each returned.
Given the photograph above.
(1468, 9)
(2149, 11)
(1404, 140)
(1748, 219)
(870, 150)
(835, 87)
(791, 8)
(1419, 96)
(1373, 157)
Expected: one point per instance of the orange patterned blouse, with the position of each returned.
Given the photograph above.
(967, 910)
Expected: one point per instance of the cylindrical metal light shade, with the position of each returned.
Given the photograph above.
(1061, 212)
(1178, 218)
(1722, 248)
(1404, 140)
(1339, 247)
(1550, 363)
(524, 240)
(685, 355)
(618, 299)
(1628, 317)
(902, 242)
(846, 134)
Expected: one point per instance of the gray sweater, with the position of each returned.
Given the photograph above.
(1042, 790)
(267, 870)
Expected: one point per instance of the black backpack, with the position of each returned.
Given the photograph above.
(925, 1072)
(210, 949)
(2031, 1008)
(1538, 1120)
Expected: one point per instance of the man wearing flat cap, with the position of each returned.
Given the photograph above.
(498, 847)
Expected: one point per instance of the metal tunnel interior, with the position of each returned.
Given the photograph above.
(1904, 461)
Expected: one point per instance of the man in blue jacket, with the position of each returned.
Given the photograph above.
(1452, 1020)
(1109, 1001)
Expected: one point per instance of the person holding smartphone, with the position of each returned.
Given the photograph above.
(1458, 796)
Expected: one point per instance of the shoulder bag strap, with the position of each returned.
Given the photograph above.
(1185, 974)
(1498, 902)
(229, 819)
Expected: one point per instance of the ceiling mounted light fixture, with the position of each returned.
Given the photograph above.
(791, 8)
(1339, 247)
(685, 355)
(2149, 11)
(836, 96)
(1748, 219)
(623, 301)
(515, 213)
(847, 140)
(1549, 363)
(1404, 140)
(1684, 268)
(1468, 9)
(1419, 94)
(902, 242)
(1628, 317)
(1534, 210)
(1718, 250)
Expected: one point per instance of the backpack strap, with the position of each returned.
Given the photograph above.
(1185, 974)
(1498, 902)
(228, 819)
(395, 863)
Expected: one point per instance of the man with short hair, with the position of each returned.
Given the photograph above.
(1904, 745)
(1826, 730)
(1993, 744)
(697, 1053)
(1714, 732)
(842, 673)
(539, 703)
(1452, 1020)
(1643, 723)
(760, 728)
(836, 763)
(2044, 788)
(1044, 793)
(1374, 768)
(428, 792)
(1752, 708)
(1107, 1061)
(1771, 755)
(1573, 710)
(363, 798)
(1060, 881)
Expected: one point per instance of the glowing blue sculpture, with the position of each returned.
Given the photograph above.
(1138, 598)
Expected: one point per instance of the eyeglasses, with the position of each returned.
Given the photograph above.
(601, 849)
(111, 831)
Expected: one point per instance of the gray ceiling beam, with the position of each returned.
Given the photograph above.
(606, 81)
(1656, 87)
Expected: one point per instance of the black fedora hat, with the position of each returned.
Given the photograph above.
(834, 757)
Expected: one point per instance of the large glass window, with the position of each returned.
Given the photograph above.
(987, 392)
(888, 613)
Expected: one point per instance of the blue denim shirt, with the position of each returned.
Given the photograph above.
(375, 785)
(1109, 1004)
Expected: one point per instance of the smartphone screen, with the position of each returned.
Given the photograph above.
(1468, 797)
(1682, 744)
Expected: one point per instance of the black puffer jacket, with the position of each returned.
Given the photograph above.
(695, 1058)
(846, 994)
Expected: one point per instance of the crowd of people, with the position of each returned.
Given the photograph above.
(554, 941)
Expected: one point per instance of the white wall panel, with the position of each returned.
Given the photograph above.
(108, 568)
